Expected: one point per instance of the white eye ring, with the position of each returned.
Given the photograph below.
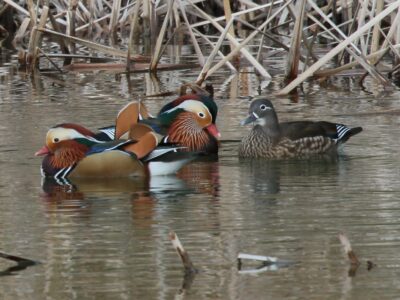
(56, 140)
(263, 107)
(201, 115)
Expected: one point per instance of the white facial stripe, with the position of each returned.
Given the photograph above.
(192, 106)
(254, 114)
(261, 122)
(64, 134)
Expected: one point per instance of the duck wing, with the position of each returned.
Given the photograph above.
(300, 129)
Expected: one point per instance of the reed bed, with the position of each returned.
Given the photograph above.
(358, 36)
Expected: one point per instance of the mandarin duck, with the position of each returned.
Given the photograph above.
(176, 120)
(271, 139)
(72, 151)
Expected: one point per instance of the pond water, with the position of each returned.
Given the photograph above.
(109, 239)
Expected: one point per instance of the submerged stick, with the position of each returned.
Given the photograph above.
(187, 263)
(347, 248)
(50, 60)
(22, 263)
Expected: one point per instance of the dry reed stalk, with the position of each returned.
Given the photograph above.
(292, 68)
(361, 17)
(240, 46)
(376, 29)
(17, 7)
(71, 14)
(205, 38)
(203, 74)
(93, 45)
(157, 50)
(92, 15)
(351, 27)
(194, 41)
(35, 41)
(236, 14)
(187, 263)
(228, 18)
(377, 55)
(21, 32)
(61, 41)
(357, 55)
(50, 60)
(114, 20)
(260, 47)
(396, 54)
(32, 11)
(243, 50)
(323, 60)
(80, 28)
(134, 22)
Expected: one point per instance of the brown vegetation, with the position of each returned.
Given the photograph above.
(354, 34)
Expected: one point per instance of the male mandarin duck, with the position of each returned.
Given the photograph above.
(73, 151)
(179, 124)
(274, 140)
(188, 121)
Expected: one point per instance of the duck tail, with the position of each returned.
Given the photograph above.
(344, 133)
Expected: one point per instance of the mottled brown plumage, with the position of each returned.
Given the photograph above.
(272, 140)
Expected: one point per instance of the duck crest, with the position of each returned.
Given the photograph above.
(206, 100)
(82, 130)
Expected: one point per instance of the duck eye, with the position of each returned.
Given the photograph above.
(263, 107)
(201, 115)
(56, 140)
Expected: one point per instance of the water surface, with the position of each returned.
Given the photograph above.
(109, 239)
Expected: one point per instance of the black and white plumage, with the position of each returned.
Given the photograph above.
(273, 140)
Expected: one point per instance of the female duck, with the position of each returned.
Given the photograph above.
(274, 140)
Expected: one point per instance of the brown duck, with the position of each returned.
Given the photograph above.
(273, 140)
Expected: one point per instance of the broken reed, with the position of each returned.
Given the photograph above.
(357, 34)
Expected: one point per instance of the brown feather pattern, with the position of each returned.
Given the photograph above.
(67, 154)
(259, 145)
(186, 131)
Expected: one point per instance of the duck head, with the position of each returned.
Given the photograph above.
(263, 115)
(66, 144)
(259, 112)
(191, 125)
(206, 100)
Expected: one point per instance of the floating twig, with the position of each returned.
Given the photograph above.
(268, 263)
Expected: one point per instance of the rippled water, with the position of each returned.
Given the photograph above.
(109, 239)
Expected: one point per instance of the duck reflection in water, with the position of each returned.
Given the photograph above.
(202, 175)
(79, 195)
(262, 178)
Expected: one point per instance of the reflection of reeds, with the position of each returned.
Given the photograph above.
(361, 33)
